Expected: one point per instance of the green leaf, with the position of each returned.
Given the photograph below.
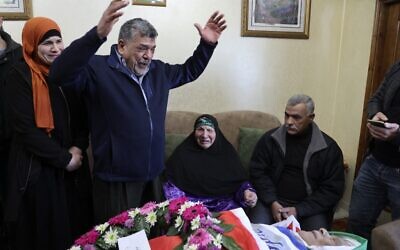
(180, 247)
(172, 231)
(215, 214)
(229, 243)
(102, 244)
(226, 227)
(140, 224)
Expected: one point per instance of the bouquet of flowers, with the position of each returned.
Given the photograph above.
(197, 227)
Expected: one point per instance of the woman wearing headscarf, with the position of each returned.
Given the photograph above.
(205, 167)
(45, 177)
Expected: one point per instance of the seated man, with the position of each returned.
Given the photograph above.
(297, 170)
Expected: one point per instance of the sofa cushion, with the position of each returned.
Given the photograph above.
(180, 122)
(248, 138)
(230, 122)
(172, 140)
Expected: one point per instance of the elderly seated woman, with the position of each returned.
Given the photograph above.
(205, 167)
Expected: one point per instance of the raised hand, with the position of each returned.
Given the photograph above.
(110, 17)
(213, 28)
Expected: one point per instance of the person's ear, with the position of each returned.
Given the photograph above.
(121, 46)
(312, 116)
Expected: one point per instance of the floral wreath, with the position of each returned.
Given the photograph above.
(192, 221)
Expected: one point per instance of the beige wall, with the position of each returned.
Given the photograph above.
(358, 17)
(253, 73)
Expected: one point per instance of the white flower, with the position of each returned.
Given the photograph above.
(75, 248)
(186, 205)
(178, 222)
(190, 247)
(151, 218)
(213, 220)
(195, 223)
(217, 241)
(133, 213)
(102, 227)
(111, 237)
(163, 204)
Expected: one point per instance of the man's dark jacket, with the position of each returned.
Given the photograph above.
(11, 55)
(322, 166)
(126, 120)
(382, 99)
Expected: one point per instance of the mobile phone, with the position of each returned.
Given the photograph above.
(377, 123)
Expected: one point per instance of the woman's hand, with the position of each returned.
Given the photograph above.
(76, 160)
(250, 198)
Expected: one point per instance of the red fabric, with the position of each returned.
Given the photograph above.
(165, 242)
(239, 234)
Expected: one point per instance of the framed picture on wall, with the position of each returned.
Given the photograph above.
(160, 3)
(276, 18)
(16, 9)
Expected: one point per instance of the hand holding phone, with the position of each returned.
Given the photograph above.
(380, 124)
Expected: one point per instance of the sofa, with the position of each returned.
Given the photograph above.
(241, 128)
(386, 236)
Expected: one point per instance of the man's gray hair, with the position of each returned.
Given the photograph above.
(137, 26)
(300, 98)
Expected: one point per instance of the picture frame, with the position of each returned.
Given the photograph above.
(16, 9)
(276, 18)
(158, 3)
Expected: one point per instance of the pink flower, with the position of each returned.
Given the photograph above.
(148, 207)
(192, 212)
(193, 222)
(119, 219)
(88, 238)
(175, 204)
(207, 223)
(201, 238)
(218, 229)
(129, 223)
(167, 218)
(89, 247)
